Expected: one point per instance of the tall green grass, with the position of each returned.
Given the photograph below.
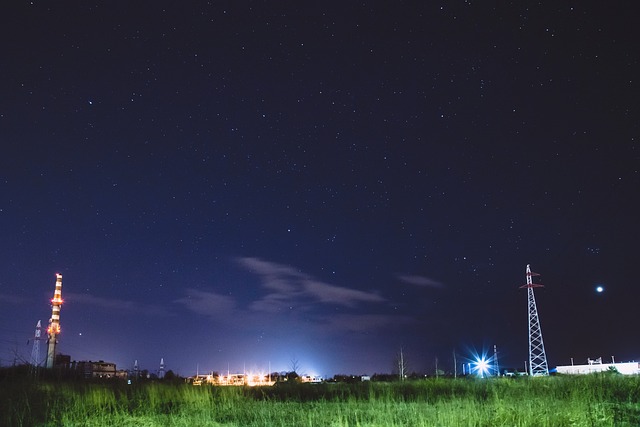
(596, 400)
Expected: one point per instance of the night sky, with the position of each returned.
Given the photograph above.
(242, 184)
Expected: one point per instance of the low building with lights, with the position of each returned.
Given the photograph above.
(594, 366)
(311, 379)
(99, 369)
(200, 379)
(248, 379)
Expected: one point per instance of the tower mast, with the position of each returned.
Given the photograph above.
(537, 357)
(35, 352)
(54, 323)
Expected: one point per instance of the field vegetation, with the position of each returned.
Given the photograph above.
(594, 400)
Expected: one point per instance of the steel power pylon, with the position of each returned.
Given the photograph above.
(537, 357)
(35, 352)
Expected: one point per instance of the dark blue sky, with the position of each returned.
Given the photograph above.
(238, 184)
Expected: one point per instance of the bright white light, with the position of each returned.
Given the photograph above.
(600, 289)
(481, 366)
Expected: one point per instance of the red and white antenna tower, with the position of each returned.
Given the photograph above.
(54, 323)
(537, 357)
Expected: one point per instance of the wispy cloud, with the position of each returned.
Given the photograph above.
(116, 305)
(208, 303)
(286, 294)
(420, 281)
(338, 295)
(288, 286)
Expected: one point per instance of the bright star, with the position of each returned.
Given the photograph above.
(599, 289)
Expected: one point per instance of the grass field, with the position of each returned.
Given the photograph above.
(595, 400)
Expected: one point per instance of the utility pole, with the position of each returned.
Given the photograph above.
(455, 365)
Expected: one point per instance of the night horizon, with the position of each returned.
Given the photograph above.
(233, 186)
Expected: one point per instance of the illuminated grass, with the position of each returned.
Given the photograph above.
(599, 400)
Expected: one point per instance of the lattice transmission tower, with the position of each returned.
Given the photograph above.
(35, 352)
(161, 371)
(537, 356)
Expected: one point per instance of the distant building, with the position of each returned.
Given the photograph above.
(313, 379)
(199, 379)
(627, 368)
(99, 369)
(62, 361)
(231, 380)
